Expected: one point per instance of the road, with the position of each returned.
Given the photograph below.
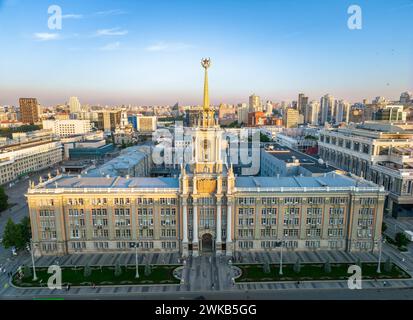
(324, 294)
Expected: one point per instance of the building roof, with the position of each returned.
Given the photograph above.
(329, 180)
(310, 163)
(82, 182)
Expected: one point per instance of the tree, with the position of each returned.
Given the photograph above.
(401, 239)
(297, 266)
(264, 138)
(266, 267)
(27, 272)
(388, 265)
(12, 236)
(4, 204)
(327, 266)
(383, 227)
(87, 272)
(118, 269)
(26, 230)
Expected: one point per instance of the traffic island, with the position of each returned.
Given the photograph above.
(316, 272)
(100, 276)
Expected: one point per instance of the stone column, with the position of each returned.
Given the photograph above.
(229, 229)
(185, 227)
(218, 240)
(195, 241)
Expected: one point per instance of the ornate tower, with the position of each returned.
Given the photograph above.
(205, 187)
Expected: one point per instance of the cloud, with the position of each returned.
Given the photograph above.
(44, 36)
(111, 46)
(164, 47)
(72, 16)
(111, 32)
(106, 13)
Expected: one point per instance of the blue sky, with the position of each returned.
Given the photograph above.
(149, 51)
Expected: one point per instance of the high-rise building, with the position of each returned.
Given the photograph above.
(268, 108)
(327, 109)
(406, 97)
(291, 118)
(242, 113)
(342, 111)
(255, 103)
(302, 103)
(108, 120)
(312, 111)
(29, 110)
(74, 105)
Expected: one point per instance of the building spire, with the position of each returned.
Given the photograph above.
(206, 63)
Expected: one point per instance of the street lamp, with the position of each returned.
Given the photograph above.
(32, 253)
(281, 258)
(381, 241)
(136, 245)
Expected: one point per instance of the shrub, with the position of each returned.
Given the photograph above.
(327, 267)
(87, 272)
(297, 266)
(266, 267)
(148, 270)
(388, 265)
(27, 271)
(118, 270)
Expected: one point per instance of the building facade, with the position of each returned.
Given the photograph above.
(207, 209)
(65, 128)
(20, 159)
(29, 110)
(378, 152)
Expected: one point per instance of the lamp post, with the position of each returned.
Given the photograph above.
(34, 267)
(281, 258)
(381, 241)
(136, 244)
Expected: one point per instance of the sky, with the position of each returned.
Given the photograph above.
(148, 52)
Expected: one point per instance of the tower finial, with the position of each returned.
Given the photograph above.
(206, 63)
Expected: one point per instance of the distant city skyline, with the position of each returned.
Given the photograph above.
(148, 52)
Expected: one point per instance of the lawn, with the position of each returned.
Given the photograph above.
(102, 276)
(255, 272)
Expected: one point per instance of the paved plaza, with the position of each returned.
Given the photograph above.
(208, 276)
(203, 275)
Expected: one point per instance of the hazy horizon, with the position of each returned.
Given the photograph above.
(148, 53)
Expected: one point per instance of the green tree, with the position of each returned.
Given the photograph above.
(27, 272)
(118, 269)
(401, 239)
(12, 236)
(327, 266)
(297, 266)
(4, 204)
(388, 265)
(26, 230)
(87, 271)
(264, 138)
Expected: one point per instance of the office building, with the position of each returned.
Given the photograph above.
(207, 209)
(29, 110)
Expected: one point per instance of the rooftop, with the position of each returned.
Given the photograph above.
(330, 180)
(289, 156)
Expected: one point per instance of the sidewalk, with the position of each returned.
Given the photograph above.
(201, 272)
